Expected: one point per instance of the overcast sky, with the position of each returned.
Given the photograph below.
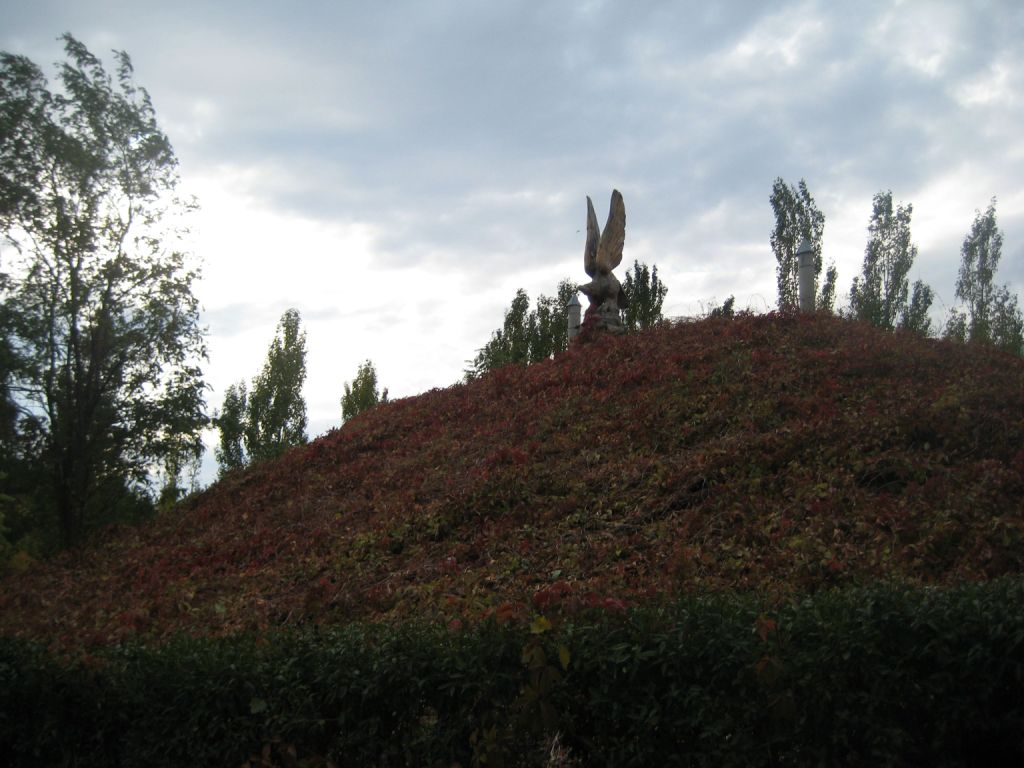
(396, 170)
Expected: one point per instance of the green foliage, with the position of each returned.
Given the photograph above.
(231, 423)
(956, 326)
(645, 294)
(527, 336)
(887, 675)
(276, 411)
(6, 550)
(992, 315)
(8, 424)
(826, 297)
(363, 394)
(105, 322)
(530, 335)
(726, 310)
(508, 344)
(880, 294)
(270, 417)
(797, 217)
(979, 259)
(548, 323)
(915, 317)
(8, 367)
(852, 677)
(1007, 322)
(29, 525)
(1004, 328)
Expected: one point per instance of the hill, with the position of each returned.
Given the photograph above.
(778, 454)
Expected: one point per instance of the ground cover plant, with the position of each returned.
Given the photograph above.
(779, 454)
(774, 540)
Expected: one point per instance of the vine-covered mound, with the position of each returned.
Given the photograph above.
(773, 453)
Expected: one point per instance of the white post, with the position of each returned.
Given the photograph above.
(574, 317)
(805, 258)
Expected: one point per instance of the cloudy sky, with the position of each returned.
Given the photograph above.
(396, 170)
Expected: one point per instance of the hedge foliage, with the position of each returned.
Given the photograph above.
(890, 675)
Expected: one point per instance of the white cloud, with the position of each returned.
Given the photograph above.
(992, 88)
(781, 41)
(777, 42)
(920, 36)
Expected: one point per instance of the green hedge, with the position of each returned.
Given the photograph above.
(882, 676)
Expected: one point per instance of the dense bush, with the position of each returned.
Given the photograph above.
(876, 676)
(890, 675)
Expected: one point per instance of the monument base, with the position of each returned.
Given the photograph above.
(601, 319)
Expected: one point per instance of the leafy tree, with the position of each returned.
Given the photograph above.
(548, 324)
(8, 425)
(979, 259)
(8, 407)
(1007, 322)
(880, 295)
(269, 417)
(915, 317)
(726, 310)
(645, 294)
(363, 394)
(531, 335)
(511, 342)
(797, 217)
(107, 328)
(527, 336)
(826, 298)
(992, 315)
(276, 410)
(231, 424)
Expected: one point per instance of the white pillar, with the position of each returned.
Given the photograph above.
(805, 258)
(574, 317)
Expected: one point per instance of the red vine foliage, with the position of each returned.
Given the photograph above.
(777, 453)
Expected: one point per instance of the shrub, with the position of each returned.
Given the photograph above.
(889, 675)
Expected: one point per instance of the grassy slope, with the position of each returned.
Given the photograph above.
(773, 453)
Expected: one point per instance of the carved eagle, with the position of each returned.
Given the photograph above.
(603, 253)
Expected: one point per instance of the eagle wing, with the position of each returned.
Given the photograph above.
(593, 236)
(609, 250)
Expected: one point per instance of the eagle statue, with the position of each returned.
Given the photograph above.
(602, 254)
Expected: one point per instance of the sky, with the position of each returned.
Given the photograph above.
(395, 170)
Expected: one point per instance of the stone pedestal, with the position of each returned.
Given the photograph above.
(604, 318)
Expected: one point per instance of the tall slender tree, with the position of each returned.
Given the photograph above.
(276, 410)
(797, 217)
(106, 324)
(915, 317)
(646, 295)
(265, 419)
(881, 295)
(825, 300)
(992, 314)
(230, 452)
